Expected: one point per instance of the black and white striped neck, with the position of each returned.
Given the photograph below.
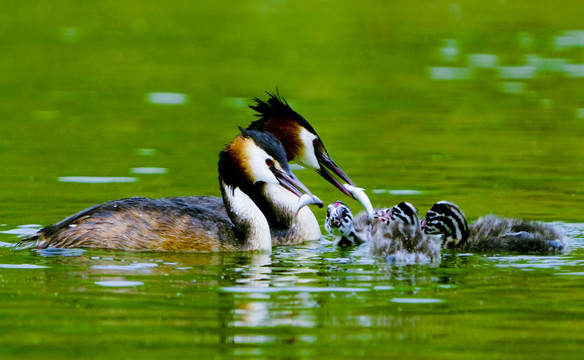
(447, 218)
(406, 213)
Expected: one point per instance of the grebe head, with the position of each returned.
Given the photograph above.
(301, 142)
(403, 212)
(256, 182)
(256, 158)
(339, 219)
(447, 219)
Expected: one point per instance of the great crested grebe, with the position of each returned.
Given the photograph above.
(302, 145)
(253, 172)
(394, 233)
(491, 233)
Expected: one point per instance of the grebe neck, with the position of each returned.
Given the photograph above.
(251, 224)
(287, 224)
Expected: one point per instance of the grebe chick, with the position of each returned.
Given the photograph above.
(398, 236)
(252, 168)
(347, 231)
(350, 231)
(340, 223)
(394, 233)
(302, 145)
(491, 233)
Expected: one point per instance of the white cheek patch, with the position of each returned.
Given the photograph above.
(308, 157)
(257, 166)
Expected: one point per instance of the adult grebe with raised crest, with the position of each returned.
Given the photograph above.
(302, 145)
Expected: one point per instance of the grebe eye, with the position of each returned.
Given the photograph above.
(269, 162)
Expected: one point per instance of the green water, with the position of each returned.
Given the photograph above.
(400, 101)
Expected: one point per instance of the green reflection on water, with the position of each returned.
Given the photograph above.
(181, 309)
(74, 88)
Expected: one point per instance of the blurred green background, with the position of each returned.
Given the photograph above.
(478, 102)
(369, 76)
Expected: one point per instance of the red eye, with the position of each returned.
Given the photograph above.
(269, 162)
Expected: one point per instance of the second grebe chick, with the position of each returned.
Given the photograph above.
(491, 233)
(252, 168)
(400, 238)
(393, 233)
(349, 230)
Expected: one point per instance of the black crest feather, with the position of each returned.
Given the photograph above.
(276, 107)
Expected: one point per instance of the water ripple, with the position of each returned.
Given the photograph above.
(149, 170)
(23, 230)
(96, 179)
(571, 273)
(118, 283)
(167, 98)
(416, 300)
(307, 289)
(130, 267)
(60, 252)
(22, 266)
